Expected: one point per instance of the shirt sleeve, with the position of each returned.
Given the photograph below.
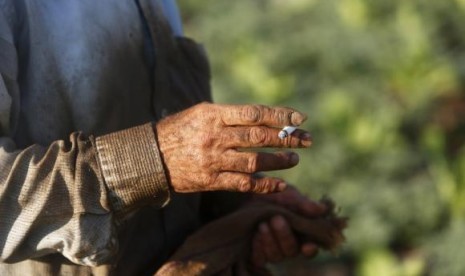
(69, 196)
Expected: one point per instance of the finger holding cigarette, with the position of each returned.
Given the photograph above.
(265, 137)
(286, 131)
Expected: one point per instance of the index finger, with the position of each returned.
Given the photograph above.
(247, 115)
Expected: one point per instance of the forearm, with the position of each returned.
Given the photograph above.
(47, 194)
(67, 197)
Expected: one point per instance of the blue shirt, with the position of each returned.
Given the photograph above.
(170, 9)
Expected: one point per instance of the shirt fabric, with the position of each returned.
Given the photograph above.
(171, 12)
(81, 179)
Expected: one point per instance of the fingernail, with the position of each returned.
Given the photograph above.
(282, 186)
(298, 118)
(294, 159)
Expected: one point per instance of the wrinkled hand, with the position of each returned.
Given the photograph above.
(274, 240)
(200, 147)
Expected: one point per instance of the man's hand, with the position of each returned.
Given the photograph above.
(274, 240)
(200, 147)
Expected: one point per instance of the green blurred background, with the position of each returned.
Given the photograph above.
(383, 84)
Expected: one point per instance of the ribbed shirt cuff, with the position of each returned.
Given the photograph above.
(132, 168)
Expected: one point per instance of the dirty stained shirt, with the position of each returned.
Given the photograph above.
(80, 171)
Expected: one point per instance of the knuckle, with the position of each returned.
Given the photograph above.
(204, 112)
(252, 165)
(257, 135)
(282, 117)
(246, 185)
(207, 140)
(268, 187)
(265, 186)
(287, 142)
(198, 109)
(204, 105)
(252, 113)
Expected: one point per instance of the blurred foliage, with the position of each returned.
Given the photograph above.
(383, 84)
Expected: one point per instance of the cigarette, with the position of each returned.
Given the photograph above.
(286, 131)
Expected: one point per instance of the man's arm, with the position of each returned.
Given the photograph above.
(65, 197)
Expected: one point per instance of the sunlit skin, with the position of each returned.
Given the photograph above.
(201, 149)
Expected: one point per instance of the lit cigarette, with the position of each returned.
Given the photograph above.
(286, 131)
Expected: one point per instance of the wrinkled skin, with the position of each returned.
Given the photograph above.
(204, 148)
(200, 147)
